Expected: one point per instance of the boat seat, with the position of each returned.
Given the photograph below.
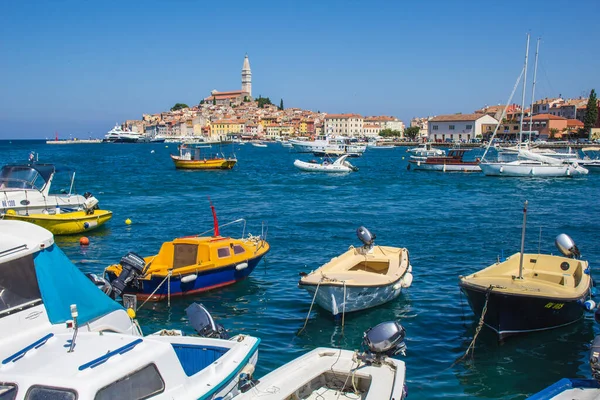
(552, 277)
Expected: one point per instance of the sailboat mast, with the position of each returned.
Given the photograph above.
(537, 50)
(523, 240)
(524, 87)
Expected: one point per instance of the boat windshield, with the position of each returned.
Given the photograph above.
(18, 285)
(22, 177)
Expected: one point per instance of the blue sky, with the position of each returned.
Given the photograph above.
(78, 67)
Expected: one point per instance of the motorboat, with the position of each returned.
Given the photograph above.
(120, 135)
(196, 157)
(360, 278)
(326, 144)
(63, 338)
(331, 374)
(530, 292)
(65, 223)
(425, 150)
(453, 162)
(188, 265)
(340, 165)
(258, 144)
(285, 143)
(32, 188)
(591, 161)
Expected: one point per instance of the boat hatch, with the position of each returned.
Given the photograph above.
(194, 359)
(141, 384)
(18, 285)
(376, 267)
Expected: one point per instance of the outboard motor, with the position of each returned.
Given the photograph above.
(132, 267)
(203, 322)
(567, 246)
(90, 204)
(384, 340)
(100, 283)
(595, 358)
(365, 236)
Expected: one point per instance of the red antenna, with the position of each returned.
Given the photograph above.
(56, 133)
(215, 220)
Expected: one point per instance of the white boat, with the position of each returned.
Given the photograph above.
(360, 278)
(285, 143)
(590, 161)
(425, 150)
(453, 162)
(119, 135)
(28, 189)
(333, 374)
(340, 165)
(325, 144)
(258, 144)
(63, 338)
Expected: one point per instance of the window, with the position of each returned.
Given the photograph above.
(8, 391)
(451, 127)
(223, 252)
(237, 249)
(469, 126)
(50, 393)
(18, 285)
(141, 384)
(434, 127)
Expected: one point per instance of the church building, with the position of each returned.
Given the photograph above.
(235, 97)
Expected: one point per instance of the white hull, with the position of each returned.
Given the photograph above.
(328, 374)
(422, 166)
(324, 146)
(531, 168)
(330, 168)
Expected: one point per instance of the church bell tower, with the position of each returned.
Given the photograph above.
(246, 77)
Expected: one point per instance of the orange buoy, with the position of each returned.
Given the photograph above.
(84, 241)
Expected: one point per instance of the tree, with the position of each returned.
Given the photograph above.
(412, 132)
(262, 101)
(591, 113)
(179, 106)
(214, 101)
(201, 101)
(553, 133)
(389, 133)
(281, 105)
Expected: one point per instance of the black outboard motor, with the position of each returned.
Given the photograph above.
(132, 267)
(384, 340)
(203, 322)
(365, 236)
(595, 358)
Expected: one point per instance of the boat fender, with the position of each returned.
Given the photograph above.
(245, 382)
(90, 224)
(589, 305)
(409, 269)
(406, 280)
(189, 278)
(241, 266)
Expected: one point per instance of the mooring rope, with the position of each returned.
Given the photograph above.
(158, 287)
(471, 347)
(344, 309)
(310, 309)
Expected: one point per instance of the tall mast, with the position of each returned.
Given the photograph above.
(537, 50)
(523, 100)
(523, 240)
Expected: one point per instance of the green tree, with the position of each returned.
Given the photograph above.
(214, 101)
(281, 105)
(262, 101)
(411, 132)
(201, 101)
(179, 106)
(553, 133)
(389, 133)
(591, 113)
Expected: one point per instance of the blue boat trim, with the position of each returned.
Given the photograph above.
(233, 374)
(104, 358)
(35, 345)
(564, 385)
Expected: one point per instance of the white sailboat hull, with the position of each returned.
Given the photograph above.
(423, 166)
(531, 168)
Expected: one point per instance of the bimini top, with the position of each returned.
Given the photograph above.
(28, 176)
(29, 256)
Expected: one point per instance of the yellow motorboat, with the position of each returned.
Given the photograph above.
(65, 223)
(196, 158)
(187, 265)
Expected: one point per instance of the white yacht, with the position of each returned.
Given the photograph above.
(425, 150)
(61, 337)
(329, 144)
(118, 135)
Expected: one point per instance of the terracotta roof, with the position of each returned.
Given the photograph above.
(544, 117)
(342, 116)
(380, 118)
(457, 117)
(574, 122)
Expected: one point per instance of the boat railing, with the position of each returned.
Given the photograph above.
(227, 224)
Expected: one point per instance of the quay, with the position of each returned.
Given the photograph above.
(74, 141)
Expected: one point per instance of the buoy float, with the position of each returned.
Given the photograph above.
(127, 221)
(84, 241)
(152, 152)
(131, 313)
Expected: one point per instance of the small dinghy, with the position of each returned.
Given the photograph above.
(361, 277)
(328, 373)
(340, 165)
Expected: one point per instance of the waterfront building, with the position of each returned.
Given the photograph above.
(371, 130)
(344, 124)
(278, 131)
(458, 127)
(569, 108)
(385, 122)
(543, 106)
(221, 129)
(547, 125)
(423, 125)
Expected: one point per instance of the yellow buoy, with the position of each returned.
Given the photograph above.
(127, 221)
(11, 212)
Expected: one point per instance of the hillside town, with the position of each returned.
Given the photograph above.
(223, 115)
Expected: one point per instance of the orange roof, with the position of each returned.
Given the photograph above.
(457, 117)
(574, 122)
(342, 116)
(544, 117)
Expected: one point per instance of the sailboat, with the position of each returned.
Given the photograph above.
(529, 163)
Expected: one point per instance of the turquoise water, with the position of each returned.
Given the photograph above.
(452, 224)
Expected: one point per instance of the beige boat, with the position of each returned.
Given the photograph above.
(360, 278)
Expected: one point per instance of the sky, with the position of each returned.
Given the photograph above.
(77, 67)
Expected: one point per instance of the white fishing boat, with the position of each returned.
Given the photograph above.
(340, 165)
(425, 150)
(63, 338)
(29, 188)
(333, 374)
(360, 278)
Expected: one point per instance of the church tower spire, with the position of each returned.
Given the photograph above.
(246, 77)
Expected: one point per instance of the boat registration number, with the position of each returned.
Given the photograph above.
(8, 203)
(555, 306)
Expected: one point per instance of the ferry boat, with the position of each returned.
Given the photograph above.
(63, 338)
(188, 265)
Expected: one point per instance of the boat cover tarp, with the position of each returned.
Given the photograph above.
(62, 284)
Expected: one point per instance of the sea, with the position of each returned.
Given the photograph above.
(452, 224)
